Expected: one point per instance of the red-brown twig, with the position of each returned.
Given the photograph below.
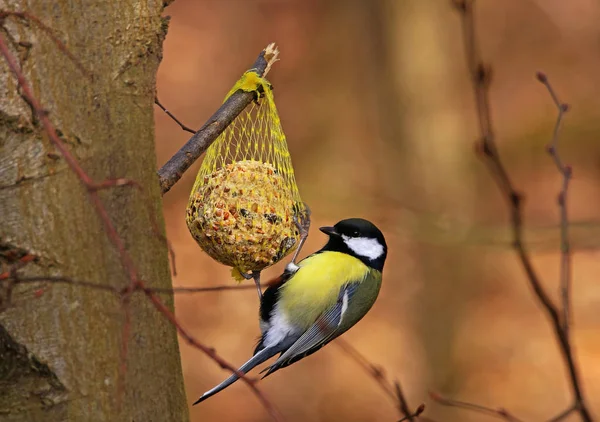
(57, 280)
(213, 355)
(374, 371)
(59, 44)
(567, 173)
(110, 183)
(414, 414)
(8, 277)
(403, 404)
(20, 263)
(220, 288)
(562, 415)
(92, 190)
(481, 78)
(125, 295)
(107, 287)
(498, 413)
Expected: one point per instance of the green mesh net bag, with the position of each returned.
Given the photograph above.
(245, 202)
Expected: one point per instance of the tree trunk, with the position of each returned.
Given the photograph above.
(436, 161)
(60, 343)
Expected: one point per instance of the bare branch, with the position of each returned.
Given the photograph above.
(220, 288)
(403, 404)
(562, 415)
(487, 149)
(567, 173)
(213, 355)
(59, 44)
(394, 391)
(125, 295)
(414, 414)
(172, 116)
(172, 171)
(373, 370)
(17, 279)
(58, 280)
(498, 413)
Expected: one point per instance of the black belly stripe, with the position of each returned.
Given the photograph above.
(269, 299)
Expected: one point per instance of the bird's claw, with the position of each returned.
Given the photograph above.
(246, 275)
(303, 225)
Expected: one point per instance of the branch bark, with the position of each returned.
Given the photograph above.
(171, 172)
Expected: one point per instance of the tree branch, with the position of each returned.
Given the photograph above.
(13, 276)
(487, 149)
(498, 413)
(415, 414)
(48, 31)
(562, 415)
(172, 116)
(394, 391)
(566, 172)
(171, 172)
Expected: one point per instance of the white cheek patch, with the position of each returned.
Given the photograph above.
(368, 247)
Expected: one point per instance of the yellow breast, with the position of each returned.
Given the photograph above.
(316, 285)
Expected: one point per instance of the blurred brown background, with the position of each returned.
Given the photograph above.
(376, 104)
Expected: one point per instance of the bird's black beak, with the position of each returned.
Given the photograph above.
(330, 231)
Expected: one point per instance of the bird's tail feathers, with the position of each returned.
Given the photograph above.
(257, 359)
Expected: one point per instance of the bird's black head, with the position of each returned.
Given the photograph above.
(359, 238)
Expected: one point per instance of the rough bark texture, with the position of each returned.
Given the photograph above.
(59, 352)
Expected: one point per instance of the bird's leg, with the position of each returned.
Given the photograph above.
(303, 225)
(255, 275)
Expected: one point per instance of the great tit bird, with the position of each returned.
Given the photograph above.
(318, 299)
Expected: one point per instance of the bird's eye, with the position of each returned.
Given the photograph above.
(355, 233)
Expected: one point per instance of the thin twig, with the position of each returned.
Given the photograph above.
(135, 282)
(220, 288)
(415, 414)
(403, 404)
(481, 78)
(393, 390)
(110, 183)
(566, 172)
(498, 413)
(172, 171)
(125, 295)
(373, 370)
(59, 280)
(48, 31)
(562, 415)
(213, 355)
(172, 116)
(20, 263)
(107, 287)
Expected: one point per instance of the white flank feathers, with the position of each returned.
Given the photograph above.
(279, 328)
(344, 307)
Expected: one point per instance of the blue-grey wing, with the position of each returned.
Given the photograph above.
(325, 329)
